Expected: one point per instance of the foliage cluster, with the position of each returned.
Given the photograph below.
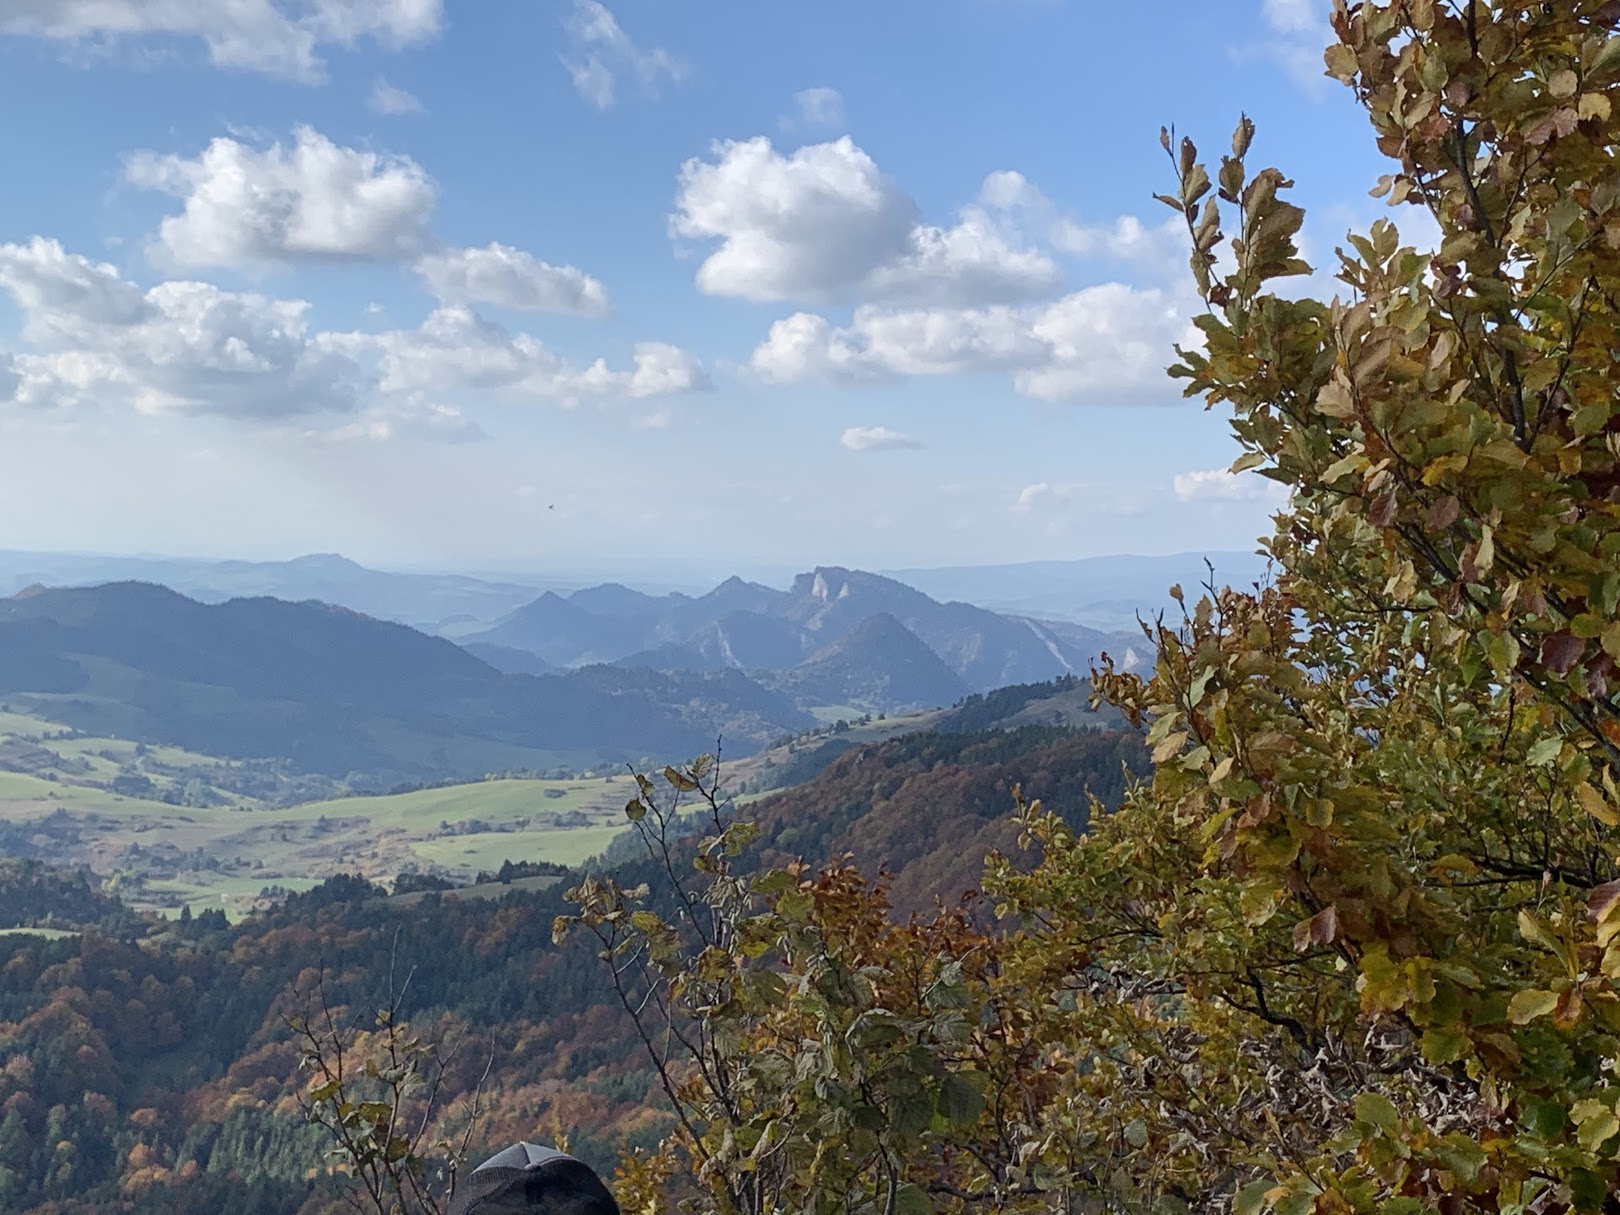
(1356, 944)
(167, 1057)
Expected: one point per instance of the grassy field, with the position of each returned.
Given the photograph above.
(169, 856)
(56, 802)
(166, 856)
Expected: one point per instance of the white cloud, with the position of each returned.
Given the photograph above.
(313, 201)
(456, 350)
(190, 347)
(411, 419)
(179, 346)
(1038, 496)
(60, 294)
(1223, 485)
(319, 201)
(877, 438)
(971, 263)
(825, 224)
(11, 378)
(817, 107)
(602, 52)
(810, 225)
(1161, 250)
(387, 99)
(1294, 16)
(1103, 343)
(510, 278)
(276, 37)
(1299, 32)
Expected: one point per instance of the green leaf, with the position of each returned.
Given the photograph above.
(1544, 1119)
(960, 1100)
(1444, 1044)
(1377, 1110)
(1545, 753)
(1587, 1190)
(1251, 1199)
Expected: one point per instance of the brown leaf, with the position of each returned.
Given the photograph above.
(1561, 651)
(1382, 511)
(1321, 929)
(1603, 900)
(1443, 513)
(1559, 123)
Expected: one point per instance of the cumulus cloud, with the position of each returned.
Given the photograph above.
(1223, 485)
(824, 224)
(817, 107)
(809, 225)
(602, 53)
(245, 207)
(387, 99)
(276, 37)
(1103, 343)
(972, 262)
(1161, 250)
(877, 438)
(456, 349)
(313, 201)
(190, 347)
(179, 346)
(510, 278)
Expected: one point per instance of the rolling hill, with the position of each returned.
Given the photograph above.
(337, 692)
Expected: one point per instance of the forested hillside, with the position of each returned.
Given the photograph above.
(151, 1066)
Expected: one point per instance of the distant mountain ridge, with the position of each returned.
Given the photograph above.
(814, 640)
(334, 691)
(420, 600)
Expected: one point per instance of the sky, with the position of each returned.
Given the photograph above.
(533, 284)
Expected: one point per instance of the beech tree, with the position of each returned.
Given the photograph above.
(1355, 946)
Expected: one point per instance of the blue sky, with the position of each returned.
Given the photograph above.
(512, 283)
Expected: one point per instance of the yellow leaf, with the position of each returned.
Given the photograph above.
(1222, 771)
(1611, 640)
(1595, 804)
(1594, 105)
(1527, 1005)
(1169, 747)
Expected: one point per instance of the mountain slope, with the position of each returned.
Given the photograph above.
(335, 691)
(754, 628)
(930, 807)
(878, 664)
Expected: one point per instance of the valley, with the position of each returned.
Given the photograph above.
(146, 820)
